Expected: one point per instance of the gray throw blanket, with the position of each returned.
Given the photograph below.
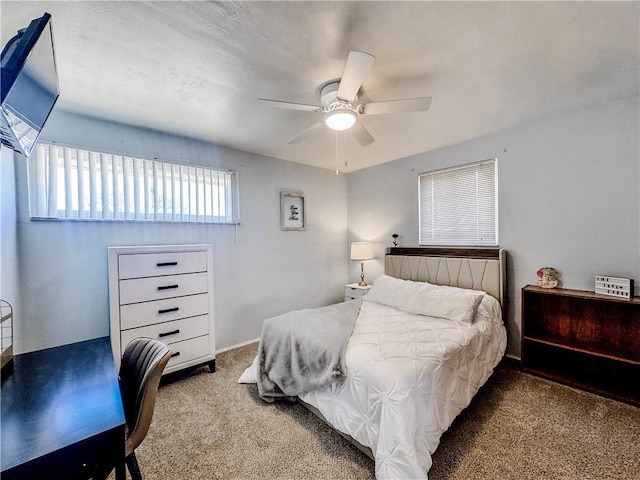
(303, 350)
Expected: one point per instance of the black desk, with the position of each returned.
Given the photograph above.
(62, 414)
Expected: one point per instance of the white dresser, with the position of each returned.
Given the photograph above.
(164, 292)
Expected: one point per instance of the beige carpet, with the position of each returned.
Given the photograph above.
(207, 426)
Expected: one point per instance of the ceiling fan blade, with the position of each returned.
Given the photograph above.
(306, 133)
(356, 68)
(361, 134)
(290, 105)
(395, 106)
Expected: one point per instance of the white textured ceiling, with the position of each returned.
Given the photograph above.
(197, 68)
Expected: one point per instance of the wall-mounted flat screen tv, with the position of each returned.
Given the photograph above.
(29, 85)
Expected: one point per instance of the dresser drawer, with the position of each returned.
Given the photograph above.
(157, 288)
(169, 332)
(187, 350)
(136, 315)
(157, 264)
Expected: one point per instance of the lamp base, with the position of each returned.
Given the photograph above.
(362, 282)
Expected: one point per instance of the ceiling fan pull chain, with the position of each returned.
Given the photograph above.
(337, 171)
(344, 144)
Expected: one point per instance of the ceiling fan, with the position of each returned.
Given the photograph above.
(339, 102)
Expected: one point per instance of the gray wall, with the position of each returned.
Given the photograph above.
(9, 276)
(568, 198)
(259, 270)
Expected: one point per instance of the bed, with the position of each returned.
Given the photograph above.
(417, 353)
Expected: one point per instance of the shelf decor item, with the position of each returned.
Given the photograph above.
(547, 277)
(395, 239)
(614, 286)
(292, 212)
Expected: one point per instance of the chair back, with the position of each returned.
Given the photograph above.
(143, 362)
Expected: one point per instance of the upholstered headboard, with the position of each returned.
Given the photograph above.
(474, 268)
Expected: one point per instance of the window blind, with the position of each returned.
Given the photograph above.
(458, 206)
(70, 183)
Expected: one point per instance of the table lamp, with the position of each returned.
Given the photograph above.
(361, 251)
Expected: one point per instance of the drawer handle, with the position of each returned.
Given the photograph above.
(167, 287)
(169, 310)
(174, 332)
(175, 354)
(167, 264)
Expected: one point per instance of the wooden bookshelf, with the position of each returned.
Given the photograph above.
(583, 339)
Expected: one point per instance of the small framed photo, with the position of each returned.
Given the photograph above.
(292, 214)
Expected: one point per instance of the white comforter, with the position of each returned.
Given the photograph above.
(408, 377)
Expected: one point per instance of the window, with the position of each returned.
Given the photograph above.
(69, 183)
(458, 206)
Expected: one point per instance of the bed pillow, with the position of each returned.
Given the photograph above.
(452, 303)
(393, 292)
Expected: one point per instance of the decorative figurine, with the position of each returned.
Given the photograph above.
(547, 277)
(395, 237)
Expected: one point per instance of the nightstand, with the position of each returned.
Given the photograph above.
(353, 291)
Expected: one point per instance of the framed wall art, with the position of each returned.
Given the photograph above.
(292, 211)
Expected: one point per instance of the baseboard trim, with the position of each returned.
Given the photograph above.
(511, 361)
(238, 345)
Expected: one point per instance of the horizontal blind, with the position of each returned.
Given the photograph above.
(458, 206)
(69, 183)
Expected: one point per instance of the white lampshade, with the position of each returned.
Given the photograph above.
(340, 119)
(361, 251)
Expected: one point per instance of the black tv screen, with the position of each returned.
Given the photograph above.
(29, 86)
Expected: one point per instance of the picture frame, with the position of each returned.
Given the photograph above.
(292, 211)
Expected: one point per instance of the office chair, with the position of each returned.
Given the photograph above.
(143, 362)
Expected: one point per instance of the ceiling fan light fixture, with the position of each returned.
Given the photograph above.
(340, 119)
